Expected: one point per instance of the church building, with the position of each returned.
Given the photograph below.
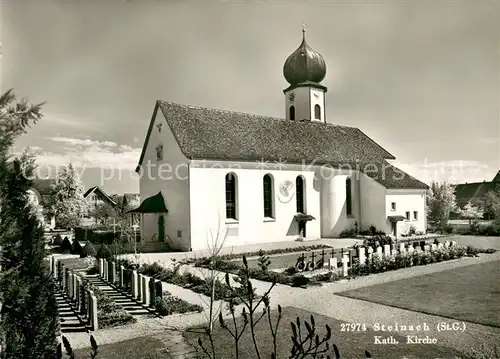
(209, 175)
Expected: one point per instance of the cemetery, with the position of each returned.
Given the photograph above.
(333, 264)
(115, 296)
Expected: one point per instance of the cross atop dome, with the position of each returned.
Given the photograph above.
(304, 64)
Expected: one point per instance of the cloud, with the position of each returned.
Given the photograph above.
(83, 142)
(87, 153)
(67, 121)
(489, 141)
(454, 171)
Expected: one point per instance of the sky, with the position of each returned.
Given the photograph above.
(420, 78)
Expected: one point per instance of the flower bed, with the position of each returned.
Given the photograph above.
(404, 260)
(168, 305)
(201, 262)
(109, 314)
(190, 281)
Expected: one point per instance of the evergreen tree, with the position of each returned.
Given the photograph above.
(66, 200)
(29, 318)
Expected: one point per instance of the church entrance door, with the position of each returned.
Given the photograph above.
(161, 228)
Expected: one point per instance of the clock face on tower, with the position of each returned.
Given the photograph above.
(291, 96)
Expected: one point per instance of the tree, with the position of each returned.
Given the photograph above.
(492, 204)
(103, 212)
(440, 202)
(66, 200)
(27, 293)
(470, 212)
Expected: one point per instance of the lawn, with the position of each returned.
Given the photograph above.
(467, 293)
(143, 348)
(350, 344)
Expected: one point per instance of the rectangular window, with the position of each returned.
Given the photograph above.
(408, 215)
(393, 206)
(415, 215)
(179, 233)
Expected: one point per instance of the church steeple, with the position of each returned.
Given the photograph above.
(304, 70)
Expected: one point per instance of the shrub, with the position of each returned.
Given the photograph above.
(116, 249)
(57, 240)
(490, 230)
(348, 233)
(298, 280)
(94, 269)
(474, 227)
(66, 245)
(263, 261)
(377, 240)
(358, 269)
(372, 231)
(76, 248)
(151, 269)
(105, 253)
(472, 252)
(88, 251)
(102, 236)
(168, 304)
(449, 230)
(291, 270)
(127, 264)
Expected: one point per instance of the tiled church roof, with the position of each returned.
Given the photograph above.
(212, 134)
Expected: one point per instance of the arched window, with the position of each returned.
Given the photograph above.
(348, 197)
(268, 196)
(317, 112)
(292, 113)
(299, 193)
(231, 196)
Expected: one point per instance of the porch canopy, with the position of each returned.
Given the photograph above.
(395, 219)
(153, 204)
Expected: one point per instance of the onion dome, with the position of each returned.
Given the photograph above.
(304, 64)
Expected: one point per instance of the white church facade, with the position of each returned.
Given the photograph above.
(208, 174)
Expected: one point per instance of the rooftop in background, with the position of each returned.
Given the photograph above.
(98, 191)
(475, 192)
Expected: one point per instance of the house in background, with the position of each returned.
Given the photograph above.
(475, 192)
(39, 195)
(244, 177)
(95, 197)
(125, 203)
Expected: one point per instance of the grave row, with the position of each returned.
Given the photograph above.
(82, 300)
(344, 258)
(142, 288)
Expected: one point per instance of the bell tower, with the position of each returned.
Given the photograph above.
(304, 70)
